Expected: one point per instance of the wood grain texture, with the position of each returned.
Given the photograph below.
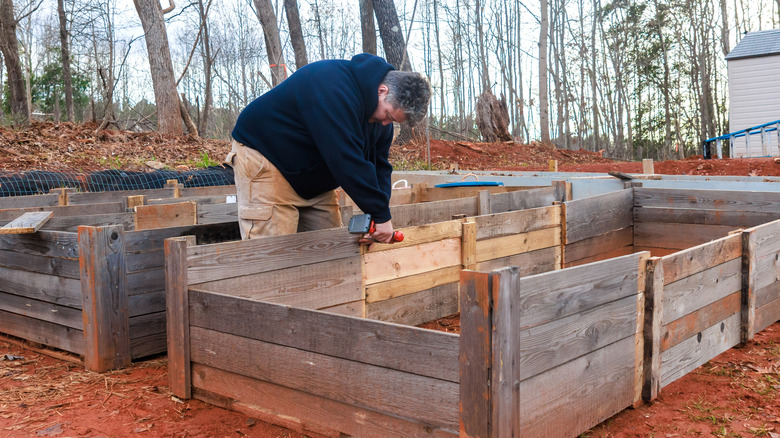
(27, 223)
(518, 243)
(8, 214)
(677, 236)
(598, 215)
(104, 298)
(234, 259)
(767, 315)
(396, 392)
(516, 222)
(177, 305)
(146, 303)
(703, 217)
(422, 234)
(217, 213)
(697, 350)
(142, 241)
(529, 263)
(41, 310)
(48, 288)
(29, 201)
(748, 314)
(301, 411)
(696, 321)
(410, 284)
(166, 215)
(408, 349)
(599, 247)
(45, 243)
(767, 239)
(611, 254)
(653, 329)
(701, 289)
(431, 212)
(468, 244)
(412, 260)
(417, 308)
(475, 357)
(60, 267)
(42, 332)
(768, 202)
(701, 257)
(523, 200)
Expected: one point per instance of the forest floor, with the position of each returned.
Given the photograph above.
(734, 395)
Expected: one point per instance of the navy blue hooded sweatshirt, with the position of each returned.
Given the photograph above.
(314, 128)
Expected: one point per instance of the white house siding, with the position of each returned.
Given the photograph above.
(754, 99)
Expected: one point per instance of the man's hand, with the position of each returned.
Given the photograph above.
(382, 234)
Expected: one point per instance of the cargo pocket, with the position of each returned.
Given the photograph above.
(255, 212)
(229, 159)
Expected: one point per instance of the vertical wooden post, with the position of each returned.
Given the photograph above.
(552, 165)
(135, 201)
(475, 357)
(505, 381)
(562, 190)
(564, 241)
(483, 203)
(62, 194)
(654, 298)
(104, 297)
(178, 315)
(174, 184)
(647, 166)
(748, 285)
(468, 244)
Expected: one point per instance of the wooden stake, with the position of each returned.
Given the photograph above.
(647, 166)
(552, 165)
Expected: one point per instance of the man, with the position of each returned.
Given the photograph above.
(330, 124)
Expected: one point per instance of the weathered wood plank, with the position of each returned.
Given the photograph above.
(592, 247)
(408, 349)
(768, 202)
(56, 266)
(767, 271)
(656, 252)
(697, 350)
(422, 234)
(49, 288)
(412, 260)
(529, 263)
(476, 357)
(698, 320)
(598, 215)
(432, 194)
(146, 303)
(516, 222)
(225, 190)
(29, 201)
(701, 257)
(417, 308)
(703, 217)
(141, 241)
(166, 215)
(518, 243)
(104, 298)
(767, 294)
(42, 332)
(100, 197)
(300, 410)
(431, 212)
(411, 284)
(767, 315)
(611, 254)
(46, 243)
(27, 223)
(148, 345)
(577, 289)
(177, 304)
(748, 314)
(522, 199)
(216, 213)
(233, 259)
(41, 310)
(677, 236)
(652, 328)
(314, 286)
(142, 261)
(383, 389)
(355, 309)
(65, 210)
(767, 239)
(146, 325)
(144, 282)
(597, 385)
(701, 289)
(71, 223)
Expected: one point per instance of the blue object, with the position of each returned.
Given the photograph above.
(471, 184)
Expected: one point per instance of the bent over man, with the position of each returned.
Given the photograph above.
(329, 124)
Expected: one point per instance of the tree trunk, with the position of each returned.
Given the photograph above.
(391, 33)
(273, 43)
(724, 29)
(9, 45)
(208, 62)
(367, 27)
(66, 75)
(593, 84)
(492, 118)
(185, 116)
(544, 114)
(165, 96)
(296, 33)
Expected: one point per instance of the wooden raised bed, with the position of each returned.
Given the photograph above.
(536, 340)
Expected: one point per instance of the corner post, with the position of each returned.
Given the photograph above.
(748, 329)
(104, 297)
(178, 315)
(654, 298)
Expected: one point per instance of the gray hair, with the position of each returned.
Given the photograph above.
(410, 92)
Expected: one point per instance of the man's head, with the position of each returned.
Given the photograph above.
(403, 98)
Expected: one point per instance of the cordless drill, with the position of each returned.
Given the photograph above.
(362, 224)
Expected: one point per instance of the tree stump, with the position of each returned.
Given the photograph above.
(492, 118)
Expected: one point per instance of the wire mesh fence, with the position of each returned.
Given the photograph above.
(34, 182)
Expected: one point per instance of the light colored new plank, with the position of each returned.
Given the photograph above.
(407, 395)
(411, 284)
(314, 286)
(417, 308)
(518, 243)
(697, 350)
(598, 215)
(422, 234)
(677, 236)
(166, 215)
(27, 223)
(698, 290)
(515, 222)
(689, 261)
(412, 260)
(299, 410)
(235, 259)
(596, 387)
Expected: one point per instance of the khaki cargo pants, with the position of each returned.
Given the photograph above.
(268, 205)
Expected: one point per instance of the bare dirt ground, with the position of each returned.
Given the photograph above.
(734, 395)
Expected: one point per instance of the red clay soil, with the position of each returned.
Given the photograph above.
(735, 394)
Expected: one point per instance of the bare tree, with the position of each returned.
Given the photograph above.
(65, 48)
(391, 33)
(296, 33)
(165, 96)
(544, 102)
(9, 45)
(273, 44)
(367, 27)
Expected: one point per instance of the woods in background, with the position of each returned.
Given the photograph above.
(639, 78)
